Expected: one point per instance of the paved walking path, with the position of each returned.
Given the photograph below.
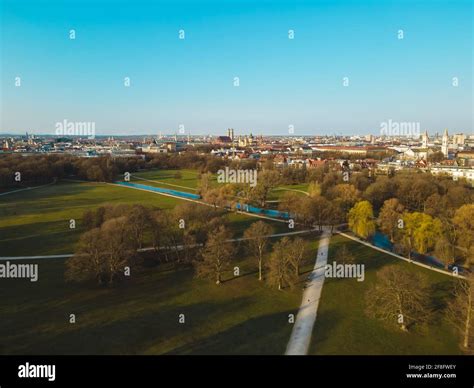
(303, 328)
(431, 268)
(67, 255)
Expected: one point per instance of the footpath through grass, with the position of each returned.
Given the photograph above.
(37, 222)
(342, 327)
(242, 316)
(186, 180)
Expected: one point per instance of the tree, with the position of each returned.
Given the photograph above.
(436, 157)
(319, 207)
(216, 255)
(443, 251)
(227, 196)
(204, 184)
(361, 219)
(139, 219)
(426, 235)
(194, 219)
(389, 217)
(415, 190)
(212, 196)
(463, 221)
(102, 253)
(87, 261)
(267, 180)
(398, 296)
(118, 246)
(378, 192)
(419, 232)
(335, 215)
(289, 202)
(298, 250)
(314, 189)
(460, 310)
(347, 194)
(280, 273)
(258, 234)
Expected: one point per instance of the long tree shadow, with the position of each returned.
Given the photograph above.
(264, 335)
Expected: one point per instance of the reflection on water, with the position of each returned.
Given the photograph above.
(380, 240)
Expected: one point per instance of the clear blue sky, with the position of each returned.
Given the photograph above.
(282, 82)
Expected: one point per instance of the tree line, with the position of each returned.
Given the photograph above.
(189, 235)
(44, 168)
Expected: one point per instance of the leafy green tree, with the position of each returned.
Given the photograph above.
(419, 232)
(361, 219)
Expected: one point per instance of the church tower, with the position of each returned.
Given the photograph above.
(444, 146)
(425, 139)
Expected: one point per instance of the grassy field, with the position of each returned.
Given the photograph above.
(188, 181)
(36, 222)
(277, 193)
(343, 328)
(241, 316)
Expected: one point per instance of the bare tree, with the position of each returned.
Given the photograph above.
(460, 311)
(87, 261)
(102, 253)
(216, 255)
(398, 296)
(139, 219)
(298, 251)
(258, 234)
(118, 246)
(280, 271)
(389, 217)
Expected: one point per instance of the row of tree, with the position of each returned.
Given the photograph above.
(188, 235)
(18, 170)
(448, 239)
(43, 168)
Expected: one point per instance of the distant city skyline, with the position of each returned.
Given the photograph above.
(190, 82)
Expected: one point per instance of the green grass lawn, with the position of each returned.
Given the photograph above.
(189, 179)
(188, 182)
(278, 192)
(36, 222)
(241, 316)
(343, 328)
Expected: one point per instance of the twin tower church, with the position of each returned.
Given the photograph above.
(444, 142)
